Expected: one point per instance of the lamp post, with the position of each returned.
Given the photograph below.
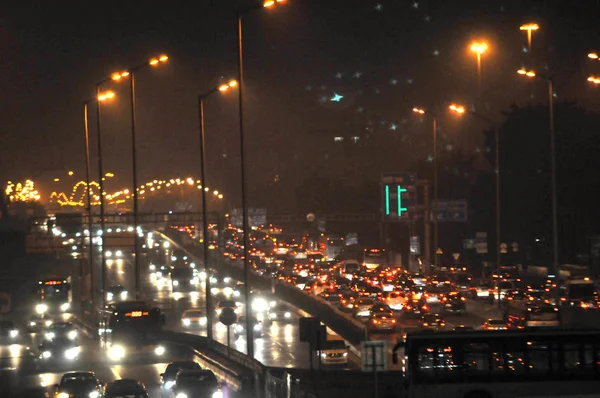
(433, 116)
(460, 110)
(532, 74)
(529, 28)
(100, 97)
(245, 226)
(207, 288)
(117, 76)
(479, 48)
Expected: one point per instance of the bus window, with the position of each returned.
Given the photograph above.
(476, 359)
(539, 357)
(571, 357)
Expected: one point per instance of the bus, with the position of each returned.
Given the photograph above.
(501, 364)
(130, 327)
(330, 245)
(374, 258)
(581, 293)
(53, 296)
(535, 315)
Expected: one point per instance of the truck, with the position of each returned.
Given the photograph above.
(581, 293)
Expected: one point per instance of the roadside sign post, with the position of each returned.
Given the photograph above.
(373, 356)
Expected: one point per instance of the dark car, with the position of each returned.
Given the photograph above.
(433, 321)
(167, 378)
(79, 385)
(125, 388)
(116, 293)
(197, 384)
(415, 308)
(38, 322)
(60, 330)
(239, 329)
(454, 302)
(9, 333)
(280, 313)
(58, 350)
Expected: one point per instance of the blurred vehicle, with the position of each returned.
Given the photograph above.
(332, 295)
(116, 293)
(79, 384)
(532, 315)
(57, 350)
(183, 279)
(167, 377)
(59, 330)
(415, 308)
(433, 321)
(464, 282)
(239, 328)
(483, 290)
(53, 296)
(226, 304)
(335, 351)
(373, 292)
(515, 295)
(433, 294)
(125, 388)
(454, 302)
(381, 308)
(220, 280)
(382, 321)
(362, 306)
(193, 318)
(280, 313)
(463, 328)
(581, 293)
(9, 333)
(502, 288)
(494, 324)
(38, 322)
(200, 383)
(395, 299)
(347, 301)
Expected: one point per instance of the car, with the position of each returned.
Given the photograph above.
(79, 384)
(433, 321)
(380, 308)
(414, 308)
(280, 313)
(9, 333)
(362, 306)
(61, 330)
(332, 295)
(220, 281)
(58, 350)
(226, 304)
(116, 293)
(197, 383)
(38, 322)
(463, 328)
(239, 328)
(382, 321)
(395, 299)
(494, 324)
(454, 302)
(125, 388)
(168, 376)
(193, 318)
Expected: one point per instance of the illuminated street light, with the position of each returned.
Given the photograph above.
(461, 110)
(106, 95)
(245, 226)
(550, 81)
(593, 56)
(422, 111)
(156, 61)
(208, 295)
(529, 27)
(116, 76)
(479, 48)
(594, 79)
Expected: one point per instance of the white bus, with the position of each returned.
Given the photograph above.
(502, 364)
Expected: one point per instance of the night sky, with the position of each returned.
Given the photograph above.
(382, 56)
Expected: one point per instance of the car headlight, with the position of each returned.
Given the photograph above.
(226, 279)
(14, 333)
(257, 328)
(94, 394)
(288, 314)
(175, 283)
(62, 395)
(48, 323)
(186, 322)
(41, 308)
(108, 253)
(32, 323)
(272, 315)
(116, 352)
(260, 305)
(217, 394)
(72, 335)
(50, 336)
(213, 280)
(46, 354)
(239, 328)
(124, 295)
(72, 353)
(345, 354)
(64, 306)
(236, 293)
(160, 350)
(203, 321)
(119, 253)
(169, 384)
(181, 395)
(109, 296)
(323, 355)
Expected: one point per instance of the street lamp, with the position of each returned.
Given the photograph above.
(433, 116)
(594, 79)
(101, 97)
(247, 267)
(479, 48)
(532, 74)
(207, 290)
(529, 28)
(118, 76)
(461, 110)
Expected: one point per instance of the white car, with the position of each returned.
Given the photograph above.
(395, 299)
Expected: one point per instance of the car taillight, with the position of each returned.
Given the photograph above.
(425, 324)
(393, 321)
(442, 323)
